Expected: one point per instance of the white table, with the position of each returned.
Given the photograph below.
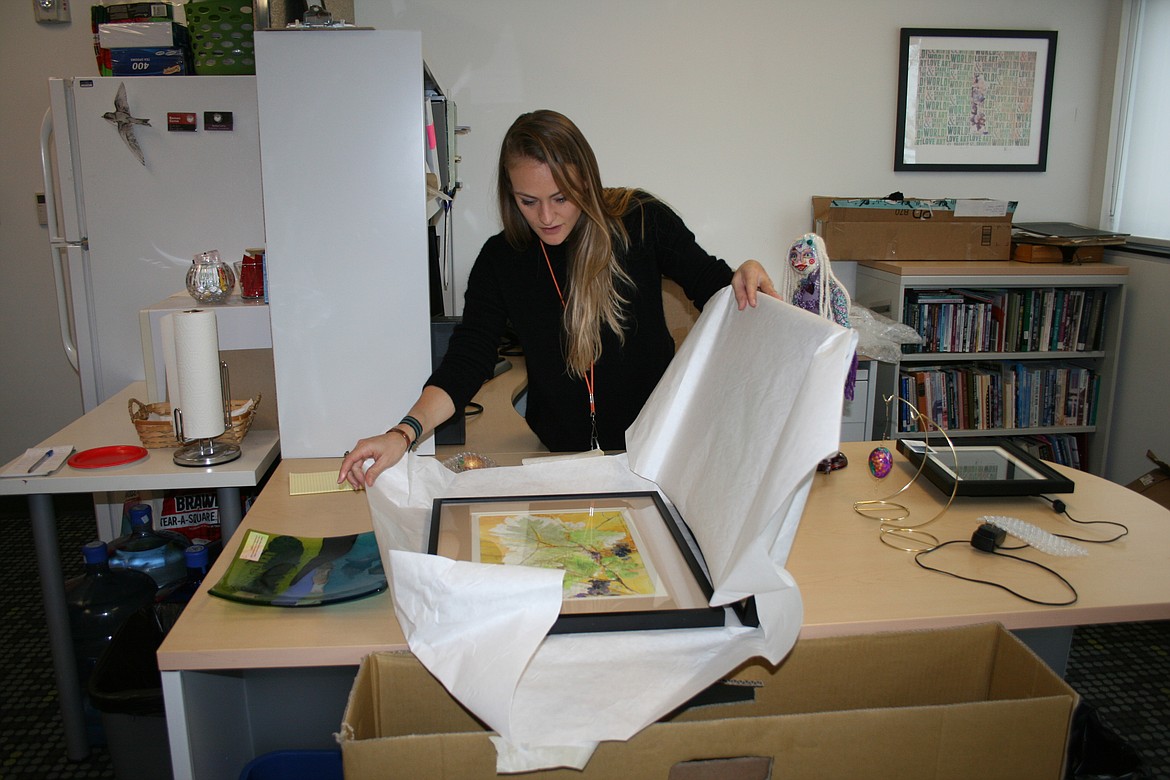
(110, 424)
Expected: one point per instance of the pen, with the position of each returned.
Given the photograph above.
(40, 462)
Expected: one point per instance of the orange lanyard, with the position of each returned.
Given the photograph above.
(588, 379)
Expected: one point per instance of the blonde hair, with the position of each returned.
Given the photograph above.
(595, 275)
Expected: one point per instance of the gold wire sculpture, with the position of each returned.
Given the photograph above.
(906, 536)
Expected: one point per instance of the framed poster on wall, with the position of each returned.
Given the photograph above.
(974, 100)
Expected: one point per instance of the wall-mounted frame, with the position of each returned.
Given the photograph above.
(629, 561)
(985, 467)
(974, 100)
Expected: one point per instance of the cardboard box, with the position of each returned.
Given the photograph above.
(1047, 253)
(1154, 484)
(914, 228)
(138, 12)
(149, 62)
(969, 702)
(142, 35)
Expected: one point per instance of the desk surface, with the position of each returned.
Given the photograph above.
(851, 583)
(110, 424)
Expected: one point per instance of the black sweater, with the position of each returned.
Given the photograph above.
(513, 287)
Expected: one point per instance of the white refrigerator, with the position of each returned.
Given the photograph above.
(123, 227)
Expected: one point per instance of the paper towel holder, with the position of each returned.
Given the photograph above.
(207, 451)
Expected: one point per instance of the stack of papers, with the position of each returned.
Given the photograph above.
(38, 461)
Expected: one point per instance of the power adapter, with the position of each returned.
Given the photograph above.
(987, 537)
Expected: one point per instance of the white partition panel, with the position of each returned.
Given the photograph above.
(341, 141)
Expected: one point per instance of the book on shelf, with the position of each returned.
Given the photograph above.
(1053, 320)
(993, 396)
(1063, 448)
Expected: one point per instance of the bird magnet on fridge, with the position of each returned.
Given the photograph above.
(125, 122)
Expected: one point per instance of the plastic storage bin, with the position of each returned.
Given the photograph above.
(295, 765)
(221, 38)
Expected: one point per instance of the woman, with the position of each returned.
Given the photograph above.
(577, 274)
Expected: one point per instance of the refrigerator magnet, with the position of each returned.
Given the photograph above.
(217, 120)
(181, 121)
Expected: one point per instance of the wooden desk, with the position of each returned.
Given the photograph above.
(851, 583)
(110, 424)
(237, 678)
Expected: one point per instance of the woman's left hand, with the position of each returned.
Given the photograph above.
(749, 278)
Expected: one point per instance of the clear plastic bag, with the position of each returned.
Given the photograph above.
(879, 337)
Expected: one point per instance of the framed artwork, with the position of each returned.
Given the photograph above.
(974, 100)
(629, 562)
(985, 467)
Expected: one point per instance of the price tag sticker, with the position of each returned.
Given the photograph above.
(253, 546)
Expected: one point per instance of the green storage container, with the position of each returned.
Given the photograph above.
(221, 38)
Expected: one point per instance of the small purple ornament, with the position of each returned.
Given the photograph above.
(881, 462)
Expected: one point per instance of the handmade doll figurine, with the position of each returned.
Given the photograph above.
(802, 283)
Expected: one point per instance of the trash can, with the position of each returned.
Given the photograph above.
(126, 688)
(295, 765)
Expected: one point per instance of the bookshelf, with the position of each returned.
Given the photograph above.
(1020, 350)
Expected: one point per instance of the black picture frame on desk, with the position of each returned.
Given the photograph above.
(630, 562)
(974, 100)
(986, 467)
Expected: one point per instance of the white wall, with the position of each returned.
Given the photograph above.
(39, 393)
(735, 112)
(1141, 412)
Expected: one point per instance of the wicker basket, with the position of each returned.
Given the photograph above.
(156, 428)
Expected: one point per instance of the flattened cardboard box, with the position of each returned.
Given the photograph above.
(914, 228)
(970, 702)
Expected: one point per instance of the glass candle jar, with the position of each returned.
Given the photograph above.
(209, 279)
(252, 274)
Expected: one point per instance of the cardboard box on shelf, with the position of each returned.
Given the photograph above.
(1047, 253)
(914, 228)
(136, 12)
(142, 35)
(149, 62)
(968, 702)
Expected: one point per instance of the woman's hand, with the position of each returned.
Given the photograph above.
(749, 278)
(386, 450)
(432, 408)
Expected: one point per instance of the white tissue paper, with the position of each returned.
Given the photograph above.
(731, 435)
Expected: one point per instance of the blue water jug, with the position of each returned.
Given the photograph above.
(172, 600)
(98, 603)
(159, 554)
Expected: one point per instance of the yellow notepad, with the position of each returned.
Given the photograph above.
(316, 482)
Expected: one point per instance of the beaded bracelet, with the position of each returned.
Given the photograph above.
(403, 434)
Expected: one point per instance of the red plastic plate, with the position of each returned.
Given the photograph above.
(104, 457)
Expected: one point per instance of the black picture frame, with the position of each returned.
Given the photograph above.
(675, 589)
(974, 100)
(986, 467)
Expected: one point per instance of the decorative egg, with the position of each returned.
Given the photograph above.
(881, 462)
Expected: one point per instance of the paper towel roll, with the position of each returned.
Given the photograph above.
(197, 361)
(167, 333)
